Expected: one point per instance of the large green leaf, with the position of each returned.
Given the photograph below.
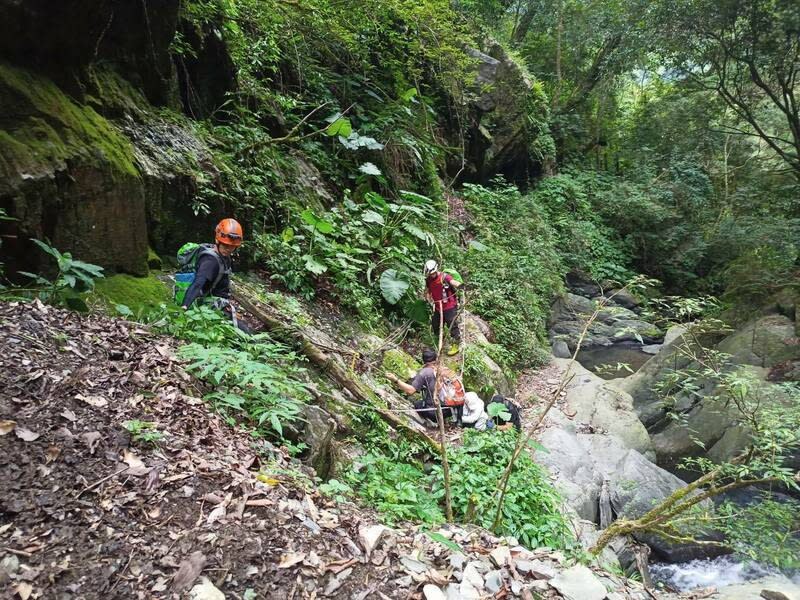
(370, 216)
(341, 127)
(320, 225)
(417, 311)
(313, 265)
(392, 286)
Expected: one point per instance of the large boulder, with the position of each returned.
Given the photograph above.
(640, 385)
(604, 408)
(508, 131)
(764, 342)
(580, 463)
(713, 426)
(613, 324)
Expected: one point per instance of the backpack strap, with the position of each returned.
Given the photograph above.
(210, 250)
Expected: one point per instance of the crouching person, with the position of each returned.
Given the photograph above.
(474, 414)
(509, 415)
(424, 383)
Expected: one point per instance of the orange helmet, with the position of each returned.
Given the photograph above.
(229, 232)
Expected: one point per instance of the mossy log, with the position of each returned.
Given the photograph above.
(326, 361)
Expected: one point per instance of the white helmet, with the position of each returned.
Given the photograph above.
(431, 266)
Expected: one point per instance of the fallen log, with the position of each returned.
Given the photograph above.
(299, 337)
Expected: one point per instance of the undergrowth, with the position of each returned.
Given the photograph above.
(256, 381)
(403, 488)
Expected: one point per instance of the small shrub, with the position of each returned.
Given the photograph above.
(144, 431)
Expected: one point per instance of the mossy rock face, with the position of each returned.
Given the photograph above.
(69, 175)
(140, 294)
(400, 363)
(45, 127)
(482, 374)
(154, 260)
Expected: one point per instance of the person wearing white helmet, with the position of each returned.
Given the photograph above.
(474, 414)
(440, 291)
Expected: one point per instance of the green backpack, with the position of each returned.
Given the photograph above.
(454, 274)
(187, 256)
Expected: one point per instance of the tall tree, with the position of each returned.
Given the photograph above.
(748, 51)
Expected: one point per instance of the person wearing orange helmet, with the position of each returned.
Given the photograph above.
(213, 268)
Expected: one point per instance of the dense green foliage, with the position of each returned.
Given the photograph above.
(664, 138)
(404, 489)
(512, 266)
(255, 380)
(531, 511)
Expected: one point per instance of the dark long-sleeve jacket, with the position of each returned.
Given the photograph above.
(208, 269)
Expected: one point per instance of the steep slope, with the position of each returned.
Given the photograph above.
(89, 510)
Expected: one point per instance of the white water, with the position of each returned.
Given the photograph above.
(716, 572)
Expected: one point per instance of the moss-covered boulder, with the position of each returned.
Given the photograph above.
(69, 175)
(481, 373)
(764, 342)
(139, 294)
(102, 176)
(400, 363)
(509, 132)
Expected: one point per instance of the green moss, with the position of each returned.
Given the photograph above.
(653, 332)
(140, 294)
(114, 92)
(400, 363)
(153, 259)
(50, 127)
(288, 306)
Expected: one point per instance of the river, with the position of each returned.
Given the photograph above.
(717, 572)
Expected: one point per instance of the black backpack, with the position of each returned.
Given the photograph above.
(512, 409)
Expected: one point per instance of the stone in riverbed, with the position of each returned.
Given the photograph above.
(579, 583)
(561, 349)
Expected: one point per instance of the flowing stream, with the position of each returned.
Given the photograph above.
(717, 572)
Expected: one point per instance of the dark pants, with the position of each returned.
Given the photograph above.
(450, 321)
(428, 412)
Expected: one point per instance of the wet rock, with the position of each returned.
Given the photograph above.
(768, 588)
(579, 583)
